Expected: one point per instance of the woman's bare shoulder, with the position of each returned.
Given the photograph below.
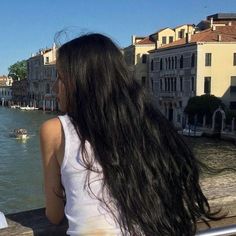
(51, 132)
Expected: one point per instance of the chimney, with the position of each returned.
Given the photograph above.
(219, 37)
(211, 22)
(188, 38)
(157, 44)
(133, 37)
(230, 23)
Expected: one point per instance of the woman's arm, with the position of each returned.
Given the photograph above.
(51, 139)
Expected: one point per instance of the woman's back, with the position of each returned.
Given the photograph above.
(83, 210)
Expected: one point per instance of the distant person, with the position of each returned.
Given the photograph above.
(123, 168)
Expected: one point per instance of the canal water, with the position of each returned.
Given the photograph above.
(21, 185)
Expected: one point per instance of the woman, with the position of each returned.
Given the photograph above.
(123, 167)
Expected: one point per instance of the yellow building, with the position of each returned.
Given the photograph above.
(202, 63)
(41, 73)
(136, 57)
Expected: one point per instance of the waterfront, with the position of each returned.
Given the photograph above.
(20, 164)
(21, 185)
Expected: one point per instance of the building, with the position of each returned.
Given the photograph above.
(136, 55)
(20, 92)
(202, 63)
(5, 89)
(5, 80)
(41, 70)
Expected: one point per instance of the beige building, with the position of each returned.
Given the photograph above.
(202, 63)
(136, 55)
(41, 70)
(5, 80)
(168, 35)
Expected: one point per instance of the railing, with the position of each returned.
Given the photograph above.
(221, 231)
(34, 222)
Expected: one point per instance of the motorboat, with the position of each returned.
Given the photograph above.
(28, 108)
(14, 106)
(191, 132)
(20, 134)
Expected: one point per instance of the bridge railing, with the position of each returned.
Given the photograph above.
(35, 223)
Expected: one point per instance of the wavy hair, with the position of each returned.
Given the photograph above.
(150, 174)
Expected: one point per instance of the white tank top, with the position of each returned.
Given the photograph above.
(84, 212)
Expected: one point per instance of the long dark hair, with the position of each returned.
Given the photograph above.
(151, 175)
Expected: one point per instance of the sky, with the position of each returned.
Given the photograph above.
(29, 25)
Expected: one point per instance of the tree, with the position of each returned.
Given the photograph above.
(18, 70)
(203, 105)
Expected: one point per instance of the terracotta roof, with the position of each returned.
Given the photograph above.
(145, 41)
(228, 34)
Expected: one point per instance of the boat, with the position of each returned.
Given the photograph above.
(14, 106)
(20, 134)
(190, 132)
(27, 108)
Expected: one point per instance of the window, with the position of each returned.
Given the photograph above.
(192, 84)
(47, 88)
(180, 103)
(181, 34)
(165, 84)
(161, 64)
(207, 85)
(164, 40)
(168, 84)
(172, 84)
(181, 63)
(161, 84)
(175, 62)
(233, 84)
(175, 84)
(232, 89)
(144, 58)
(152, 84)
(193, 60)
(181, 84)
(232, 105)
(208, 59)
(152, 65)
(143, 80)
(234, 62)
(169, 63)
(172, 63)
(47, 60)
(171, 39)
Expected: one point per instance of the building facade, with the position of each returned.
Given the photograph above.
(41, 70)
(136, 56)
(20, 93)
(202, 63)
(5, 89)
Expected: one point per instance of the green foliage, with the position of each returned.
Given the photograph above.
(203, 105)
(18, 70)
